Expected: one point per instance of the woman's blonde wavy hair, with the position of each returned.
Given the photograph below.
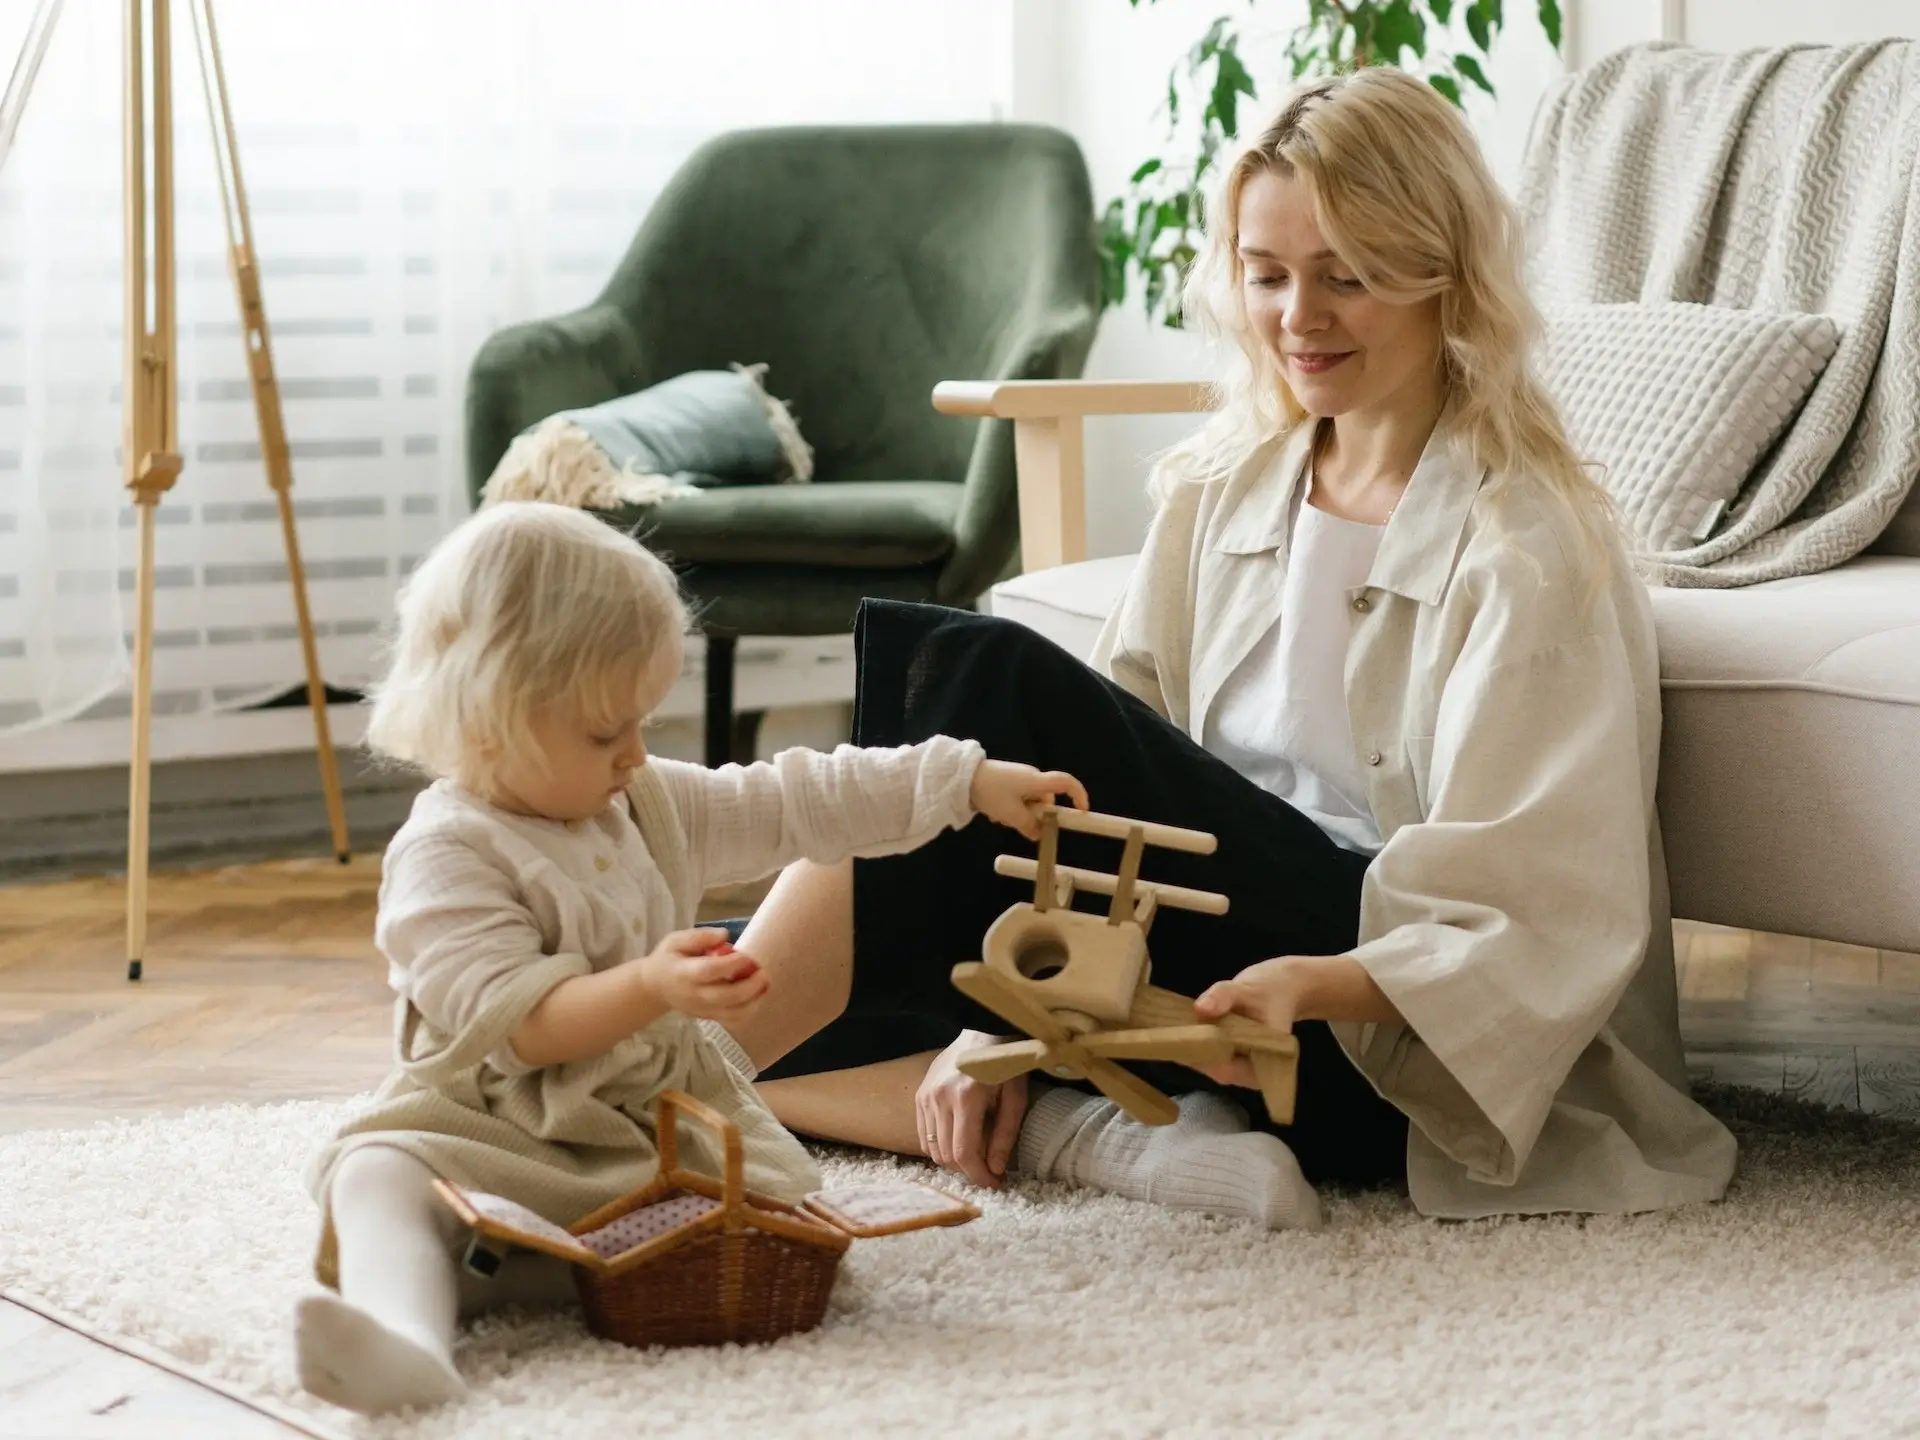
(1403, 196)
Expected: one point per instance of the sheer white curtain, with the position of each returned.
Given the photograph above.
(421, 172)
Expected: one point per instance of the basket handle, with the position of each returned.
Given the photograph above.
(733, 1169)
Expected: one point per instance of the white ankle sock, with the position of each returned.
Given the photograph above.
(1207, 1160)
(386, 1340)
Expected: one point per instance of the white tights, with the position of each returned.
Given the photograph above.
(386, 1340)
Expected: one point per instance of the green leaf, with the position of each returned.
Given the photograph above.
(1147, 232)
(1477, 27)
(1442, 10)
(1396, 29)
(1147, 167)
(1116, 249)
(1209, 149)
(1470, 67)
(1210, 43)
(1445, 85)
(1549, 21)
(1231, 81)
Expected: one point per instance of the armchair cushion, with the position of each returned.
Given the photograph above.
(853, 524)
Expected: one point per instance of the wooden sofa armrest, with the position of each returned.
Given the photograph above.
(1049, 445)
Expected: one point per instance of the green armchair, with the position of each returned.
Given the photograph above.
(863, 265)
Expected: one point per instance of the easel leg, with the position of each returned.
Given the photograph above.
(149, 443)
(255, 336)
(316, 687)
(139, 796)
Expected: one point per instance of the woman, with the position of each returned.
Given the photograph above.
(1384, 640)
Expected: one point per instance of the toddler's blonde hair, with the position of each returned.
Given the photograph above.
(524, 605)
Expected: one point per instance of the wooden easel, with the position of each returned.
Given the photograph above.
(150, 447)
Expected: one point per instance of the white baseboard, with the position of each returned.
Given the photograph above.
(769, 674)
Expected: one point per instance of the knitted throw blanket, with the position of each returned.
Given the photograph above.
(1785, 180)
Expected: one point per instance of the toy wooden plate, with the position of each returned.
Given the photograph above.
(889, 1208)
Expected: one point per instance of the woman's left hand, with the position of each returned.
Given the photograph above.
(1268, 993)
(1008, 793)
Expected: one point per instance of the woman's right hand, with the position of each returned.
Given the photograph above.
(965, 1125)
(698, 973)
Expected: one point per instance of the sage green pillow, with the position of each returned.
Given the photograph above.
(700, 429)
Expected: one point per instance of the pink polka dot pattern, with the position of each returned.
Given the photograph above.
(516, 1216)
(649, 1222)
(863, 1207)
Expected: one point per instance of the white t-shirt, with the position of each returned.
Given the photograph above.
(1281, 719)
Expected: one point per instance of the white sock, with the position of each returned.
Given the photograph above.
(1209, 1159)
(730, 1048)
(386, 1340)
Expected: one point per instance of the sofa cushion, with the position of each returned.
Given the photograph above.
(1068, 604)
(1678, 402)
(1789, 792)
(1789, 787)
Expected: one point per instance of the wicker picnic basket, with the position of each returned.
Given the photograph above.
(691, 1260)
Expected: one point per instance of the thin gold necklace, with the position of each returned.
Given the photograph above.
(1313, 478)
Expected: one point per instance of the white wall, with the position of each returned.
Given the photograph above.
(1098, 69)
(1742, 24)
(1598, 26)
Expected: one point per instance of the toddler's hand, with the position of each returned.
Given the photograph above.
(698, 973)
(1007, 793)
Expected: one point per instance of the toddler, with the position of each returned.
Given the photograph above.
(535, 914)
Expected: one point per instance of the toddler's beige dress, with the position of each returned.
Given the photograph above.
(482, 912)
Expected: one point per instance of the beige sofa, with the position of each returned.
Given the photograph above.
(1790, 767)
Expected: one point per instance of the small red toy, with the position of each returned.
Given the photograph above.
(748, 965)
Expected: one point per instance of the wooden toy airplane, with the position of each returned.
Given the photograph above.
(1077, 982)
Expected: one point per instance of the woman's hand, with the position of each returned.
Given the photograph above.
(699, 973)
(1007, 793)
(965, 1125)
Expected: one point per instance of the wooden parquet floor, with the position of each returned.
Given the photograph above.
(262, 983)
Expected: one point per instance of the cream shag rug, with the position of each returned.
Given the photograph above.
(1791, 1309)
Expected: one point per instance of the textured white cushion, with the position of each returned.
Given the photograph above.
(1068, 603)
(1679, 402)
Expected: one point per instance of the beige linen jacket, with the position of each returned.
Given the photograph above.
(1518, 915)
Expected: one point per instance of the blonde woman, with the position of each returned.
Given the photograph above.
(1385, 642)
(537, 919)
